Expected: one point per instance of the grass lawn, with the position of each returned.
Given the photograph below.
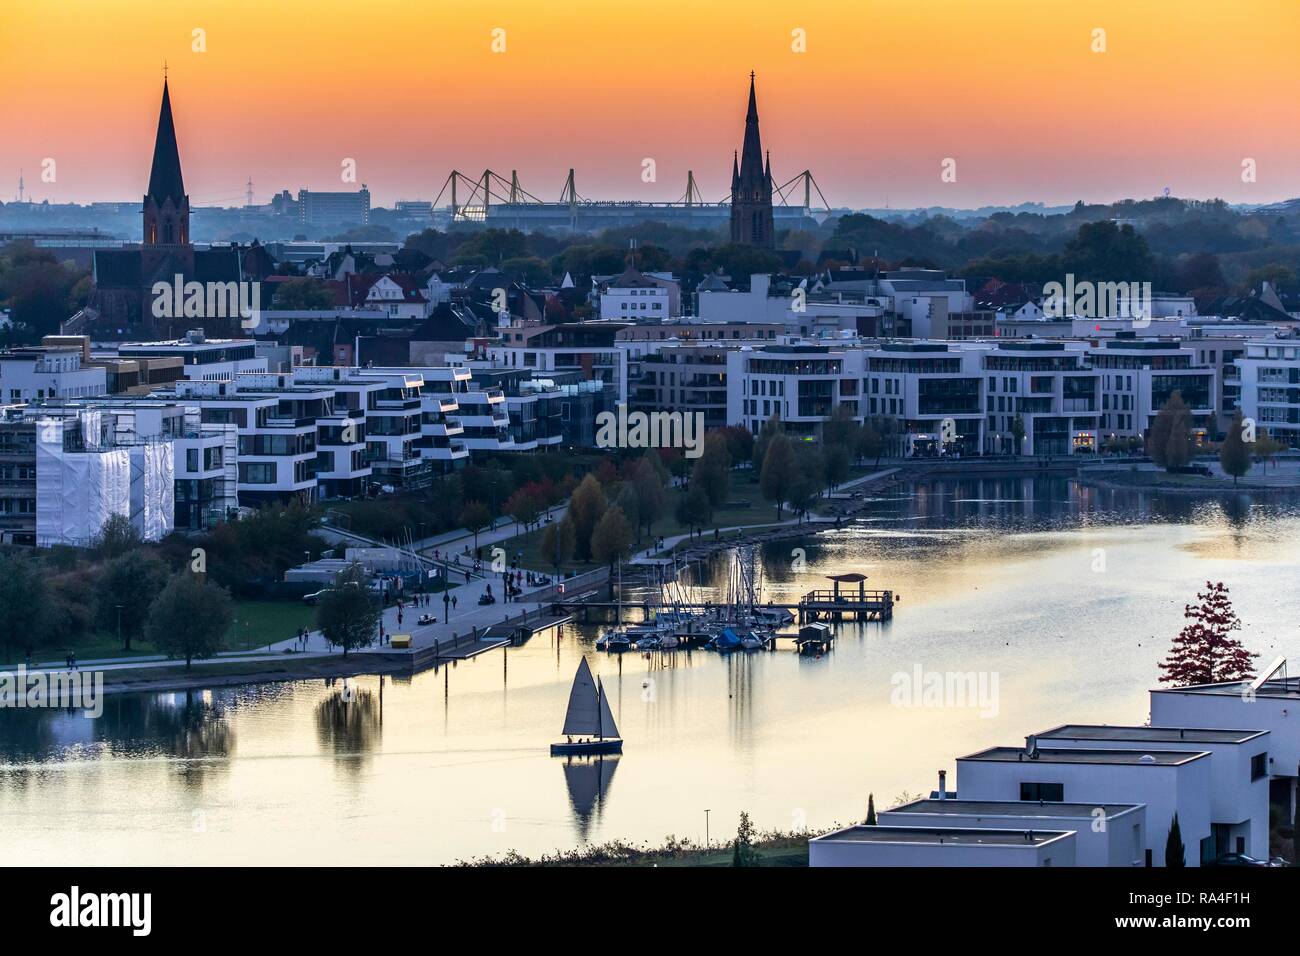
(258, 623)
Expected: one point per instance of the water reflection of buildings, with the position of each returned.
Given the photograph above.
(588, 780)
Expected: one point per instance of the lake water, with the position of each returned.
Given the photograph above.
(1061, 598)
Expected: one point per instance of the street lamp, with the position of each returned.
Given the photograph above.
(119, 624)
(706, 831)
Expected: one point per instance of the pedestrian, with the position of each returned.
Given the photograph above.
(453, 602)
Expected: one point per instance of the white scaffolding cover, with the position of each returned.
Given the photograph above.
(76, 492)
(153, 489)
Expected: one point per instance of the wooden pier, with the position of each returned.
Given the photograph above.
(837, 603)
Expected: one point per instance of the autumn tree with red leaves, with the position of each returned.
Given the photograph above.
(1205, 652)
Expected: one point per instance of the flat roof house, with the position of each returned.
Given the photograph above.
(941, 846)
(1105, 834)
(1167, 781)
(1271, 703)
(1238, 772)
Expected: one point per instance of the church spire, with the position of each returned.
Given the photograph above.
(751, 185)
(166, 207)
(165, 180)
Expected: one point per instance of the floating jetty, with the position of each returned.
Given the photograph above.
(837, 603)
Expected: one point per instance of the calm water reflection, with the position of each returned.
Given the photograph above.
(1069, 594)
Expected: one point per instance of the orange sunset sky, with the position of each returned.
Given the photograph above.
(885, 91)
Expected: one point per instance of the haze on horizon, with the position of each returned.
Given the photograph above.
(1010, 89)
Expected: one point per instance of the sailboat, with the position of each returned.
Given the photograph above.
(588, 718)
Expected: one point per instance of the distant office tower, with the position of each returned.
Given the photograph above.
(334, 209)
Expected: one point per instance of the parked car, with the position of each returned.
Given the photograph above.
(315, 596)
(1240, 859)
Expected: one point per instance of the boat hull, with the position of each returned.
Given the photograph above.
(610, 746)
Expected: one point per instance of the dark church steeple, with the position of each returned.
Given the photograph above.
(751, 186)
(166, 207)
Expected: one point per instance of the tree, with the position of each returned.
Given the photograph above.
(1204, 652)
(1169, 440)
(649, 480)
(348, 616)
(770, 429)
(475, 517)
(1175, 855)
(871, 810)
(190, 618)
(302, 295)
(1266, 446)
(116, 537)
(125, 591)
(835, 464)
(1234, 457)
(586, 505)
(743, 852)
(778, 472)
(693, 508)
(524, 507)
(612, 538)
(558, 541)
(713, 472)
(840, 431)
(1018, 435)
(24, 604)
(871, 442)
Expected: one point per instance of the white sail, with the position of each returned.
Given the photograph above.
(607, 726)
(582, 717)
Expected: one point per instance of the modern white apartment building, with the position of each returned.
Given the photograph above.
(641, 297)
(209, 360)
(800, 384)
(1271, 702)
(40, 374)
(1269, 383)
(1239, 788)
(1108, 834)
(1050, 389)
(942, 846)
(1166, 781)
(588, 349)
(933, 390)
(1139, 375)
(440, 441)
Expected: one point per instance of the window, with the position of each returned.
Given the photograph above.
(1045, 792)
(1259, 766)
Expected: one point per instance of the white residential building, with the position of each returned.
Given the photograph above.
(40, 374)
(1139, 375)
(208, 360)
(1110, 834)
(938, 846)
(1270, 387)
(1166, 781)
(1239, 771)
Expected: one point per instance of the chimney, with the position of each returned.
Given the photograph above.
(943, 784)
